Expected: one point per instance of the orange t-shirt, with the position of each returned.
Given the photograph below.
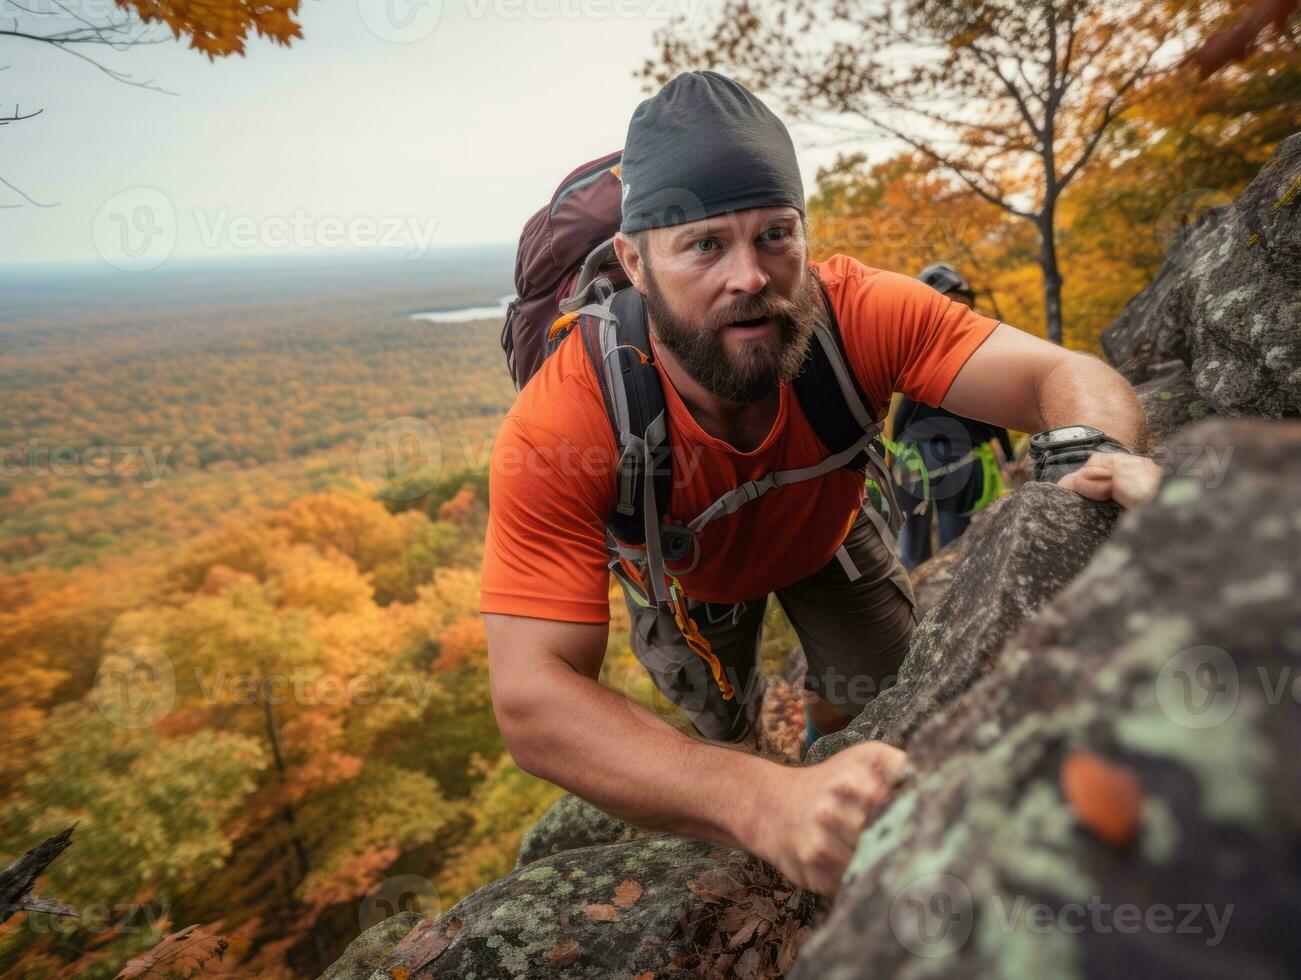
(552, 485)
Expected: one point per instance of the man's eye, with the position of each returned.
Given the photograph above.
(775, 234)
(704, 241)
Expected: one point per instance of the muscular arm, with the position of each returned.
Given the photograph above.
(561, 724)
(1020, 381)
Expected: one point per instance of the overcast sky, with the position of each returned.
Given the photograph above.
(420, 124)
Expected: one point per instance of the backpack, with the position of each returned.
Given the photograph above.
(567, 277)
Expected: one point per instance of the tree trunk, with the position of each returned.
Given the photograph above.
(273, 734)
(1052, 275)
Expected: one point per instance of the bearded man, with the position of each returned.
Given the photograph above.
(713, 239)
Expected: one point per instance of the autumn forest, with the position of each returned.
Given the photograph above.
(242, 508)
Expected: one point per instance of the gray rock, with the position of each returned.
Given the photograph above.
(1134, 745)
(1015, 556)
(568, 824)
(372, 947)
(1170, 400)
(1227, 301)
(661, 904)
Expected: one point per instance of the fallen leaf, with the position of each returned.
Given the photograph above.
(601, 913)
(748, 964)
(702, 893)
(791, 949)
(745, 934)
(720, 882)
(627, 893)
(1105, 796)
(733, 918)
(644, 975)
(564, 953)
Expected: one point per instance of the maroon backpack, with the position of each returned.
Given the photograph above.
(583, 213)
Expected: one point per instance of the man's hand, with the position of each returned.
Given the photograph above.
(809, 817)
(1130, 481)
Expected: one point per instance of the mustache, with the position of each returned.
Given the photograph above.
(750, 308)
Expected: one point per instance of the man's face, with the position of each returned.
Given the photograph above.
(732, 298)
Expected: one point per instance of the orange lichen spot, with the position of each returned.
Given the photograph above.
(1106, 797)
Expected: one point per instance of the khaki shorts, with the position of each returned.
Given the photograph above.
(854, 617)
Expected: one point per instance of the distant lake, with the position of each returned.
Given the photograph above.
(465, 314)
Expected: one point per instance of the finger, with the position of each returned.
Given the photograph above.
(877, 767)
(1089, 481)
(843, 823)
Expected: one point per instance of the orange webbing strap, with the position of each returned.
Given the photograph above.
(696, 641)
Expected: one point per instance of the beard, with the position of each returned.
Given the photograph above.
(745, 375)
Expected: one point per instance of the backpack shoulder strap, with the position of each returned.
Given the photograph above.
(828, 391)
(837, 410)
(616, 336)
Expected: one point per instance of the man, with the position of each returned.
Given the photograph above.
(941, 475)
(713, 238)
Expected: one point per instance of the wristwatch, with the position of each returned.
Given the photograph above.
(1057, 452)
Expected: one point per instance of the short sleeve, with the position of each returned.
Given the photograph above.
(900, 334)
(544, 554)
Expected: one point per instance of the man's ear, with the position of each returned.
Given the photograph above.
(625, 249)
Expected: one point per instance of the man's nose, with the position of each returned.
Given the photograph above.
(744, 273)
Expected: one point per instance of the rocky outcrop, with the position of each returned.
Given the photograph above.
(703, 908)
(1227, 301)
(1118, 793)
(1015, 558)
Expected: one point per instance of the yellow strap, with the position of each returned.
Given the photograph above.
(696, 641)
(561, 323)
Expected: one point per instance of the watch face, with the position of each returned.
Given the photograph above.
(1072, 433)
(1067, 435)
